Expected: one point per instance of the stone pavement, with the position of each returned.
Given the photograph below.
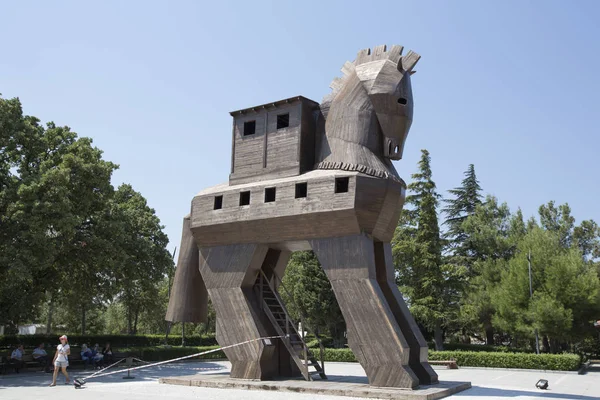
(487, 384)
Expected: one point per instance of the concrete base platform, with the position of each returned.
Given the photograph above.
(351, 386)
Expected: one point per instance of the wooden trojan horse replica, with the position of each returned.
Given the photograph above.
(309, 176)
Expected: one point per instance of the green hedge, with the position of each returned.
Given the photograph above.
(338, 355)
(168, 353)
(116, 341)
(479, 348)
(556, 362)
(497, 359)
(314, 343)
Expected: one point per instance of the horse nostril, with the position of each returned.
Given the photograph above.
(402, 101)
(390, 147)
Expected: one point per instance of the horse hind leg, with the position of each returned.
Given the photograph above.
(373, 331)
(230, 274)
(189, 300)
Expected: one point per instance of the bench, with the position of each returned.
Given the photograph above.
(28, 361)
(75, 358)
(31, 362)
(3, 364)
(451, 364)
(6, 365)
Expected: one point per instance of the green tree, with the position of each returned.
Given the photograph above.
(53, 184)
(143, 260)
(558, 220)
(309, 296)
(491, 235)
(587, 238)
(465, 200)
(69, 244)
(417, 249)
(565, 291)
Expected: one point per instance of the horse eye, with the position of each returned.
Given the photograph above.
(402, 100)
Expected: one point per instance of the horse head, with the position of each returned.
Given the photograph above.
(385, 75)
(371, 105)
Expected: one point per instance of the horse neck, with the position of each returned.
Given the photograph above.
(352, 139)
(352, 118)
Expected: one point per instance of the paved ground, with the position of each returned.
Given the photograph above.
(488, 384)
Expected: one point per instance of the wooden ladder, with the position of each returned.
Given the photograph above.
(285, 327)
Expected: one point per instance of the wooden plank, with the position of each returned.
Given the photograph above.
(410, 60)
(265, 140)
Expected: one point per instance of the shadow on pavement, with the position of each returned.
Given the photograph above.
(344, 378)
(496, 393)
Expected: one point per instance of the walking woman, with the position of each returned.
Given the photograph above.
(61, 360)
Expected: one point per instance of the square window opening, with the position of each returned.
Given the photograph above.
(301, 190)
(341, 184)
(244, 198)
(249, 128)
(218, 202)
(269, 195)
(283, 121)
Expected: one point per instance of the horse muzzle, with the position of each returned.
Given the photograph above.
(392, 148)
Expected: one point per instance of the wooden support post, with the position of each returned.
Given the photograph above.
(373, 333)
(230, 273)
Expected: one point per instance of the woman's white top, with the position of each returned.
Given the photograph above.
(62, 352)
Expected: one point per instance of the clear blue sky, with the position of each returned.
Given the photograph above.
(510, 86)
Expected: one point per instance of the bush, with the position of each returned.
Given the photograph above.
(165, 353)
(556, 362)
(116, 341)
(480, 347)
(314, 343)
(337, 355)
(589, 348)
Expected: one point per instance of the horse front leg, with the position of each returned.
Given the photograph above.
(373, 332)
(414, 338)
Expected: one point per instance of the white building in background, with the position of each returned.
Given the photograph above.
(32, 329)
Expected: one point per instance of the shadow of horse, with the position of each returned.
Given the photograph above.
(497, 393)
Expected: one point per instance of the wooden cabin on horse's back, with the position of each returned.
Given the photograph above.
(273, 140)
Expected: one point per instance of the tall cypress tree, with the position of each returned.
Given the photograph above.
(417, 249)
(465, 200)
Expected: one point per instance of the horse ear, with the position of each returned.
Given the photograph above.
(409, 61)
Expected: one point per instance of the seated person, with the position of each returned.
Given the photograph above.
(86, 355)
(107, 352)
(97, 355)
(16, 358)
(40, 355)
